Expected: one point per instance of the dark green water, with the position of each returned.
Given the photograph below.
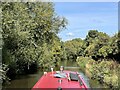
(28, 81)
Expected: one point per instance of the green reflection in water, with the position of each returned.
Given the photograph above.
(28, 81)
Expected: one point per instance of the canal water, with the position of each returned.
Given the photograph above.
(28, 81)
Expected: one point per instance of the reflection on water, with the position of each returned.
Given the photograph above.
(28, 81)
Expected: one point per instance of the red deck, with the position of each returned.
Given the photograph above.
(49, 81)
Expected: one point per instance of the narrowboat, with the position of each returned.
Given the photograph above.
(60, 80)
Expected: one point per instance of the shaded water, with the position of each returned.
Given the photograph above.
(24, 81)
(28, 81)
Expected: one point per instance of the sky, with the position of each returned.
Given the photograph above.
(85, 16)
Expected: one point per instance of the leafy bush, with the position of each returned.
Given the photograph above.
(82, 61)
(3, 71)
(105, 71)
(112, 81)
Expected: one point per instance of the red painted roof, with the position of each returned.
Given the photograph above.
(49, 81)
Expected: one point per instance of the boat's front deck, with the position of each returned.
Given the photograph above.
(49, 81)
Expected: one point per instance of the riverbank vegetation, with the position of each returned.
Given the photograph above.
(29, 41)
(29, 37)
(98, 56)
(106, 72)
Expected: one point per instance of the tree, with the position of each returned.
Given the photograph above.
(95, 44)
(73, 48)
(29, 30)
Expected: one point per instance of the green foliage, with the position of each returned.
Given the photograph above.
(3, 70)
(101, 47)
(73, 48)
(99, 44)
(93, 33)
(111, 81)
(29, 37)
(114, 44)
(29, 34)
(104, 71)
(104, 51)
(82, 61)
(96, 44)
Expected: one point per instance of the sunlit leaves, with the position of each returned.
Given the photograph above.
(105, 50)
(73, 48)
(29, 32)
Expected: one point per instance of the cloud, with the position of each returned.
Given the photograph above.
(70, 34)
(83, 17)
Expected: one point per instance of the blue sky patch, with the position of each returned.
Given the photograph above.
(85, 16)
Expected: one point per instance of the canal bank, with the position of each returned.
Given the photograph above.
(104, 72)
(28, 81)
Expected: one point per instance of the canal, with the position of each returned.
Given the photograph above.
(28, 81)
